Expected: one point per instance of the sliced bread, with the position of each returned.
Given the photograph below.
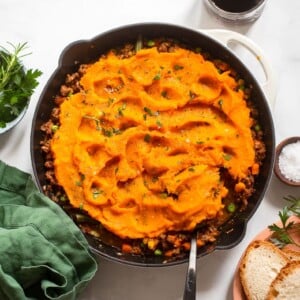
(260, 265)
(286, 285)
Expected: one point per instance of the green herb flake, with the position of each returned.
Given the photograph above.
(120, 112)
(154, 179)
(78, 183)
(242, 87)
(97, 193)
(147, 138)
(159, 124)
(157, 76)
(148, 111)
(191, 169)
(164, 94)
(220, 102)
(178, 67)
(146, 183)
(192, 95)
(107, 132)
(121, 109)
(116, 131)
(163, 195)
(227, 156)
(110, 101)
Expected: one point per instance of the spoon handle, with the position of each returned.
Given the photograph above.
(190, 283)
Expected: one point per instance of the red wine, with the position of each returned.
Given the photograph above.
(236, 6)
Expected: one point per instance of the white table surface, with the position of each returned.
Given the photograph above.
(48, 26)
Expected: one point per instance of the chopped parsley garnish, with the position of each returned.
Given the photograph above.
(242, 87)
(227, 156)
(159, 124)
(121, 109)
(157, 76)
(110, 101)
(97, 193)
(220, 102)
(107, 132)
(164, 94)
(154, 179)
(178, 67)
(192, 95)
(163, 195)
(148, 111)
(147, 138)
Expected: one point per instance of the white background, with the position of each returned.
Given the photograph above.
(48, 26)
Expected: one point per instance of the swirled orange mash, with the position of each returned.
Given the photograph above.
(142, 147)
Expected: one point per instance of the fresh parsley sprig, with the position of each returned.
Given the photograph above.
(16, 83)
(281, 235)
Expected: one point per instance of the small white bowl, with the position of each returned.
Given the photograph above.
(277, 170)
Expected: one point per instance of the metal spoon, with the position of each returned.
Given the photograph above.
(190, 281)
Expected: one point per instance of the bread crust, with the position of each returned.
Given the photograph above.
(291, 254)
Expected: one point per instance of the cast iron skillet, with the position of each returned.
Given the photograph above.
(86, 51)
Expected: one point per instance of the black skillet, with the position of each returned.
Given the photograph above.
(86, 51)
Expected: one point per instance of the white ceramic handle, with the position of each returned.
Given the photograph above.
(227, 36)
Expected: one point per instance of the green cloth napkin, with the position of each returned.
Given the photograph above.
(43, 254)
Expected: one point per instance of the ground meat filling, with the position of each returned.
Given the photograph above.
(170, 244)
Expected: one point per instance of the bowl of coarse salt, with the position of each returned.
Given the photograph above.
(287, 161)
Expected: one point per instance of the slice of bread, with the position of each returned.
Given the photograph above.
(286, 285)
(259, 266)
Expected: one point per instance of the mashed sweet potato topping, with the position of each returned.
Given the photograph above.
(142, 148)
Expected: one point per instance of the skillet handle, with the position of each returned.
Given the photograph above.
(227, 36)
